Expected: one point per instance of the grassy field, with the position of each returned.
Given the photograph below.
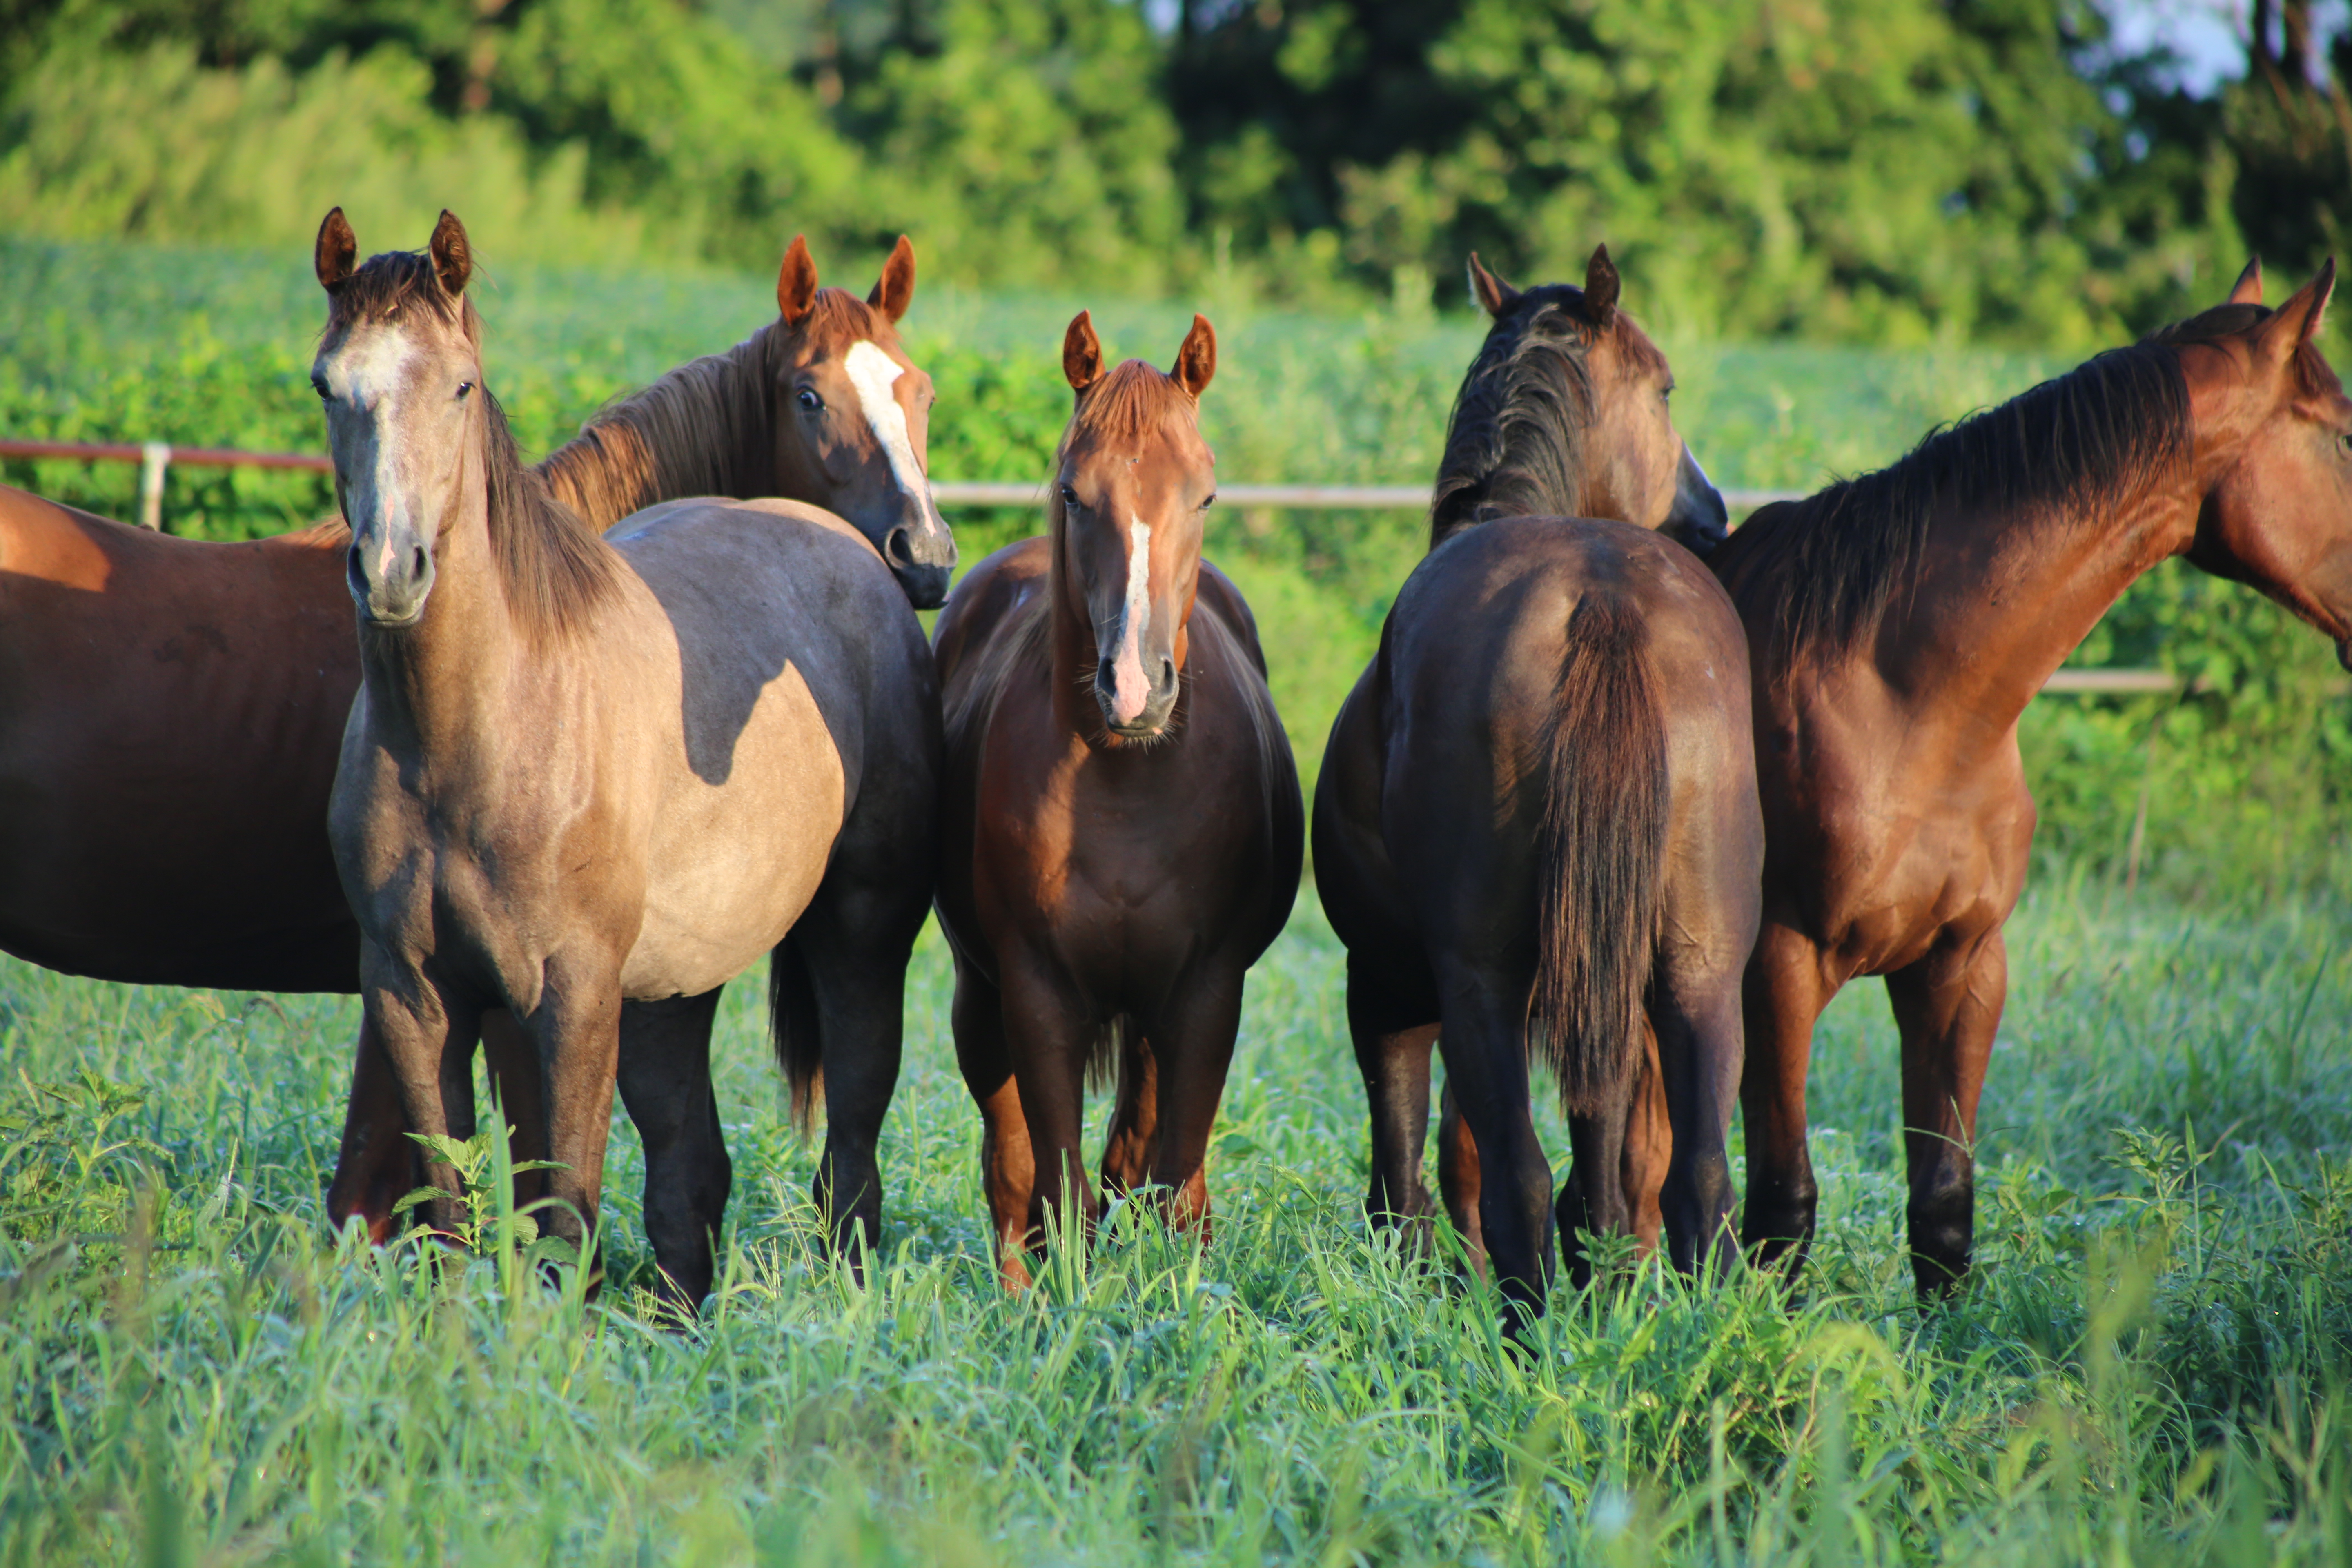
(2149, 1367)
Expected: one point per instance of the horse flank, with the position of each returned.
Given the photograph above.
(2077, 444)
(1601, 854)
(1514, 440)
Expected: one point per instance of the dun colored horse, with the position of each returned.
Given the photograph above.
(1122, 826)
(1535, 828)
(1900, 622)
(589, 782)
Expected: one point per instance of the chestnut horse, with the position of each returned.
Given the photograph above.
(1122, 828)
(588, 781)
(1535, 828)
(1900, 622)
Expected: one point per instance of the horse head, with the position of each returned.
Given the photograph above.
(1131, 496)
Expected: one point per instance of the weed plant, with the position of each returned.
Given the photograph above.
(2149, 1367)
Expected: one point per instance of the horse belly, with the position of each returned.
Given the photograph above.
(736, 857)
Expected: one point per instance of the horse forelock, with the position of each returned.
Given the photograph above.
(1131, 401)
(394, 281)
(1514, 439)
(2074, 445)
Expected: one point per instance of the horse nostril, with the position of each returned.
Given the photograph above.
(1106, 677)
(417, 565)
(896, 548)
(1167, 671)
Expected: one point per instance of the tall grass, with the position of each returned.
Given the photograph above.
(2149, 1365)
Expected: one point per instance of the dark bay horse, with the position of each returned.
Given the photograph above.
(1535, 828)
(588, 781)
(1121, 829)
(1900, 622)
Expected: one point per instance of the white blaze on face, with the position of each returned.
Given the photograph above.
(365, 375)
(872, 373)
(1129, 688)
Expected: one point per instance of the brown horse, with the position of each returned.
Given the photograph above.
(1900, 624)
(1535, 827)
(589, 782)
(1122, 828)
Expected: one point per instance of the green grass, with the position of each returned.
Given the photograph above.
(2149, 1367)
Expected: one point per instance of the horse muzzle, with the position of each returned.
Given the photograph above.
(389, 586)
(1134, 716)
(1699, 520)
(922, 556)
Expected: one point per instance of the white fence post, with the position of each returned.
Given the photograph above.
(154, 457)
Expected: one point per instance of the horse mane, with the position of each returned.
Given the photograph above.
(553, 569)
(1514, 440)
(1839, 558)
(707, 428)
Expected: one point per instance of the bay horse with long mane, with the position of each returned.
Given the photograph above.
(1121, 828)
(1900, 622)
(589, 780)
(1535, 828)
(170, 710)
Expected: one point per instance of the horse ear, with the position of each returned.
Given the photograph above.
(1488, 293)
(1601, 288)
(2248, 288)
(1082, 351)
(1196, 362)
(453, 259)
(797, 282)
(2299, 320)
(895, 287)
(337, 249)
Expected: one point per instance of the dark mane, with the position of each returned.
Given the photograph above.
(1514, 442)
(706, 429)
(2074, 444)
(553, 569)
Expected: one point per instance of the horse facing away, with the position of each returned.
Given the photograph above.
(1535, 828)
(1122, 825)
(590, 781)
(1900, 622)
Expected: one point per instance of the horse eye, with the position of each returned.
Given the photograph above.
(1209, 502)
(464, 387)
(319, 385)
(810, 401)
(1069, 496)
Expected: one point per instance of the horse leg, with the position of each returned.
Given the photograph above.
(1048, 1036)
(1007, 1173)
(1193, 1041)
(1487, 1073)
(513, 1063)
(1128, 1151)
(1948, 1006)
(1649, 1143)
(1392, 1053)
(578, 1028)
(1593, 1200)
(1695, 1018)
(665, 1081)
(377, 1161)
(418, 1029)
(1457, 1178)
(1782, 995)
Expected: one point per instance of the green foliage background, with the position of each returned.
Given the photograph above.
(1880, 171)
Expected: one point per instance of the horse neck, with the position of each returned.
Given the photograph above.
(1519, 485)
(1997, 607)
(705, 428)
(434, 688)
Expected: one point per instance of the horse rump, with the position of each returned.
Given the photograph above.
(1600, 855)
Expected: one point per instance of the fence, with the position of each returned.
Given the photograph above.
(154, 459)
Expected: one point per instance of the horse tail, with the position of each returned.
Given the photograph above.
(1601, 854)
(791, 1023)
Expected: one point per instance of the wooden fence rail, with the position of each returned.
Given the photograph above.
(154, 459)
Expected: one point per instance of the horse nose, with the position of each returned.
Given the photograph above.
(1167, 676)
(898, 548)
